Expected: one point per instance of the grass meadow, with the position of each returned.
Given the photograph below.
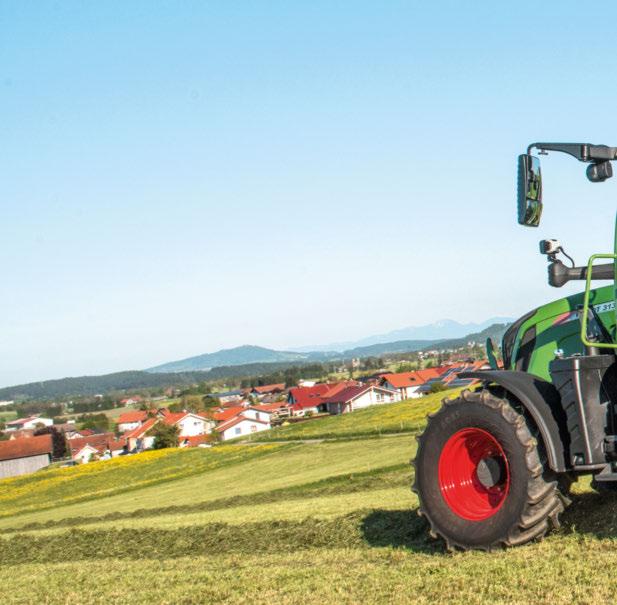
(330, 521)
(6, 416)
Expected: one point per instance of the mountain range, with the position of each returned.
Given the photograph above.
(413, 338)
(244, 361)
(439, 330)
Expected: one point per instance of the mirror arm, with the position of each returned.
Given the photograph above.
(583, 152)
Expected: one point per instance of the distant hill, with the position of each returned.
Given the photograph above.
(398, 341)
(235, 357)
(495, 331)
(120, 381)
(444, 329)
(239, 365)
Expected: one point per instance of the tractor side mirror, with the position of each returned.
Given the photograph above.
(529, 190)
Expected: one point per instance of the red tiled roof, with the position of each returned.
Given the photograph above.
(347, 394)
(22, 448)
(173, 417)
(410, 379)
(269, 388)
(140, 430)
(99, 442)
(130, 417)
(194, 440)
(307, 397)
(337, 387)
(228, 413)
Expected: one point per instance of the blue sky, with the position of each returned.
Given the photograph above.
(178, 177)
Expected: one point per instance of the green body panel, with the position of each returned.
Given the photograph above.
(557, 326)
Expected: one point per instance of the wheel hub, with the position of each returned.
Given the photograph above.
(474, 476)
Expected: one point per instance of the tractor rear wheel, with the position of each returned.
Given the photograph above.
(480, 476)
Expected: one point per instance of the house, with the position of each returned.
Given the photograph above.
(83, 449)
(272, 412)
(188, 423)
(268, 389)
(85, 454)
(22, 456)
(131, 420)
(408, 383)
(307, 400)
(354, 398)
(240, 426)
(138, 439)
(229, 396)
(31, 422)
(130, 400)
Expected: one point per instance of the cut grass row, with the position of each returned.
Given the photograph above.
(370, 556)
(406, 416)
(377, 479)
(248, 470)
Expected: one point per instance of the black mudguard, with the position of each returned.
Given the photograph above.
(541, 399)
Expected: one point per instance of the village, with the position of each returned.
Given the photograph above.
(35, 442)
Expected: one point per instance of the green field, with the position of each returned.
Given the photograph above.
(6, 416)
(318, 522)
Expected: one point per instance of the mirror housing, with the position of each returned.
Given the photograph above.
(529, 190)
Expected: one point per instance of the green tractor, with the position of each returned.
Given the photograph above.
(494, 466)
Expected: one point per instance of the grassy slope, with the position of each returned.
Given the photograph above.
(330, 522)
(377, 420)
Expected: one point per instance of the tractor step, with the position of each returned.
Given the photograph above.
(608, 473)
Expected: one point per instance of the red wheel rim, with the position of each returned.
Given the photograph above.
(474, 477)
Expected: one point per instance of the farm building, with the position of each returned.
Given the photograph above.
(22, 456)
(32, 422)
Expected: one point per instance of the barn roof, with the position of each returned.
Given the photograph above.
(24, 448)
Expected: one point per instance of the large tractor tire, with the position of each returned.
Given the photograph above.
(480, 476)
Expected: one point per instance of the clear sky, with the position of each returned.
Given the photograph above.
(178, 177)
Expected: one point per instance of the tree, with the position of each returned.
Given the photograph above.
(58, 440)
(437, 387)
(96, 422)
(165, 435)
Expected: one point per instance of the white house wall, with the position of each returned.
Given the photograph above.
(193, 426)
(245, 428)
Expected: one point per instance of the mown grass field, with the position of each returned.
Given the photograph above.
(318, 522)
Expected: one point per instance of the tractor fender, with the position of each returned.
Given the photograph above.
(543, 402)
